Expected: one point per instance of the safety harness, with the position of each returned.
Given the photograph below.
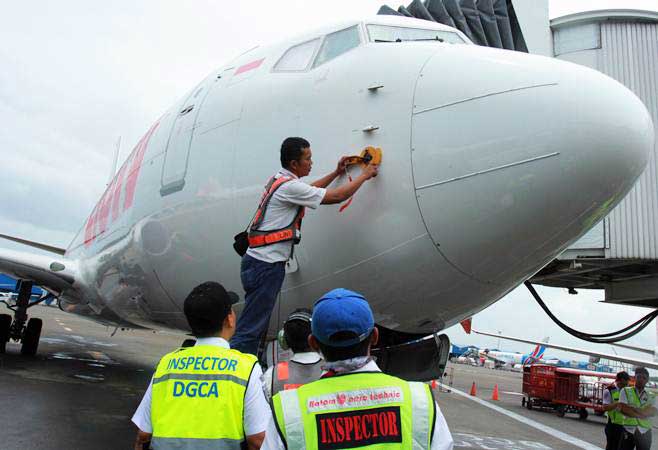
(291, 232)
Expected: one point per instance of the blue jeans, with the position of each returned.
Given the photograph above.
(262, 282)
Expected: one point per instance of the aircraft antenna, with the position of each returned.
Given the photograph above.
(114, 162)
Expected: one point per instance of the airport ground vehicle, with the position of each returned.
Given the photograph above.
(564, 390)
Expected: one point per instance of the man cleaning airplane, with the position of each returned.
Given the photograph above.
(276, 229)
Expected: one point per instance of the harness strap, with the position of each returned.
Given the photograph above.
(270, 188)
(260, 238)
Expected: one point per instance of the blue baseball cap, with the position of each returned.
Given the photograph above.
(342, 310)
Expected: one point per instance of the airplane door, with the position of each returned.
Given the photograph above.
(180, 140)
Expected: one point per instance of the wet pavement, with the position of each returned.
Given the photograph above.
(84, 385)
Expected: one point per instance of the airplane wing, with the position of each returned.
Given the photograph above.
(54, 273)
(637, 349)
(625, 359)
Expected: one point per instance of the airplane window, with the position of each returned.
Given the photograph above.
(335, 44)
(385, 33)
(297, 57)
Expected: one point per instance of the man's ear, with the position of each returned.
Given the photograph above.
(374, 337)
(313, 343)
(229, 321)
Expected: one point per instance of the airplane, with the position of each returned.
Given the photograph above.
(650, 364)
(511, 359)
(494, 162)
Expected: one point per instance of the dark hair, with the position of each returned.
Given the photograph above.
(623, 375)
(341, 353)
(206, 307)
(641, 370)
(297, 330)
(291, 150)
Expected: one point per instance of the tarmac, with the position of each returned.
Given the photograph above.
(82, 388)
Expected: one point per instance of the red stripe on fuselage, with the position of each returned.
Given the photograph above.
(249, 66)
(131, 181)
(110, 201)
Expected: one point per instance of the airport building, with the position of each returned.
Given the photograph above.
(620, 254)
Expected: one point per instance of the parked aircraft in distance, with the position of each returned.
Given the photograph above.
(510, 359)
(651, 364)
(494, 162)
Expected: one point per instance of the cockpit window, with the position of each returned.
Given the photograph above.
(337, 43)
(385, 33)
(297, 57)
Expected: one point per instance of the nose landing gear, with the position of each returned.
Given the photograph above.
(21, 329)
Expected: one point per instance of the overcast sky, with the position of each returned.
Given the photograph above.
(76, 75)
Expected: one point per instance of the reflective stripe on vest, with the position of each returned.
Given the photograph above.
(198, 398)
(282, 371)
(634, 400)
(615, 415)
(356, 410)
(421, 408)
(160, 443)
(291, 232)
(293, 419)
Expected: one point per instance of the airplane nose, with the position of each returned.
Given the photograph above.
(517, 156)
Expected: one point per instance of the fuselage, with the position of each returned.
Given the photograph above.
(493, 162)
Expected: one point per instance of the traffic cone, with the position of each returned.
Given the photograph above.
(474, 391)
(495, 393)
(433, 384)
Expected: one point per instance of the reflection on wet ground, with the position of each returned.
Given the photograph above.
(81, 388)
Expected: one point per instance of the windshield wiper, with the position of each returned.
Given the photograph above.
(427, 39)
(384, 40)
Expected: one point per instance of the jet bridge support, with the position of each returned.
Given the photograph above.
(21, 329)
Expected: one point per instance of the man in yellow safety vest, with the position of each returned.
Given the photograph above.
(637, 406)
(207, 396)
(354, 404)
(614, 429)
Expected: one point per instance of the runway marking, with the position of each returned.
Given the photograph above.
(67, 329)
(465, 440)
(539, 426)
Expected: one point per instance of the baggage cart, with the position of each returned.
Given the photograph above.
(564, 390)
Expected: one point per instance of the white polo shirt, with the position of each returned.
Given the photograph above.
(441, 439)
(281, 212)
(257, 413)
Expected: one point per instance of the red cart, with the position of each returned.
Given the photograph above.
(564, 390)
